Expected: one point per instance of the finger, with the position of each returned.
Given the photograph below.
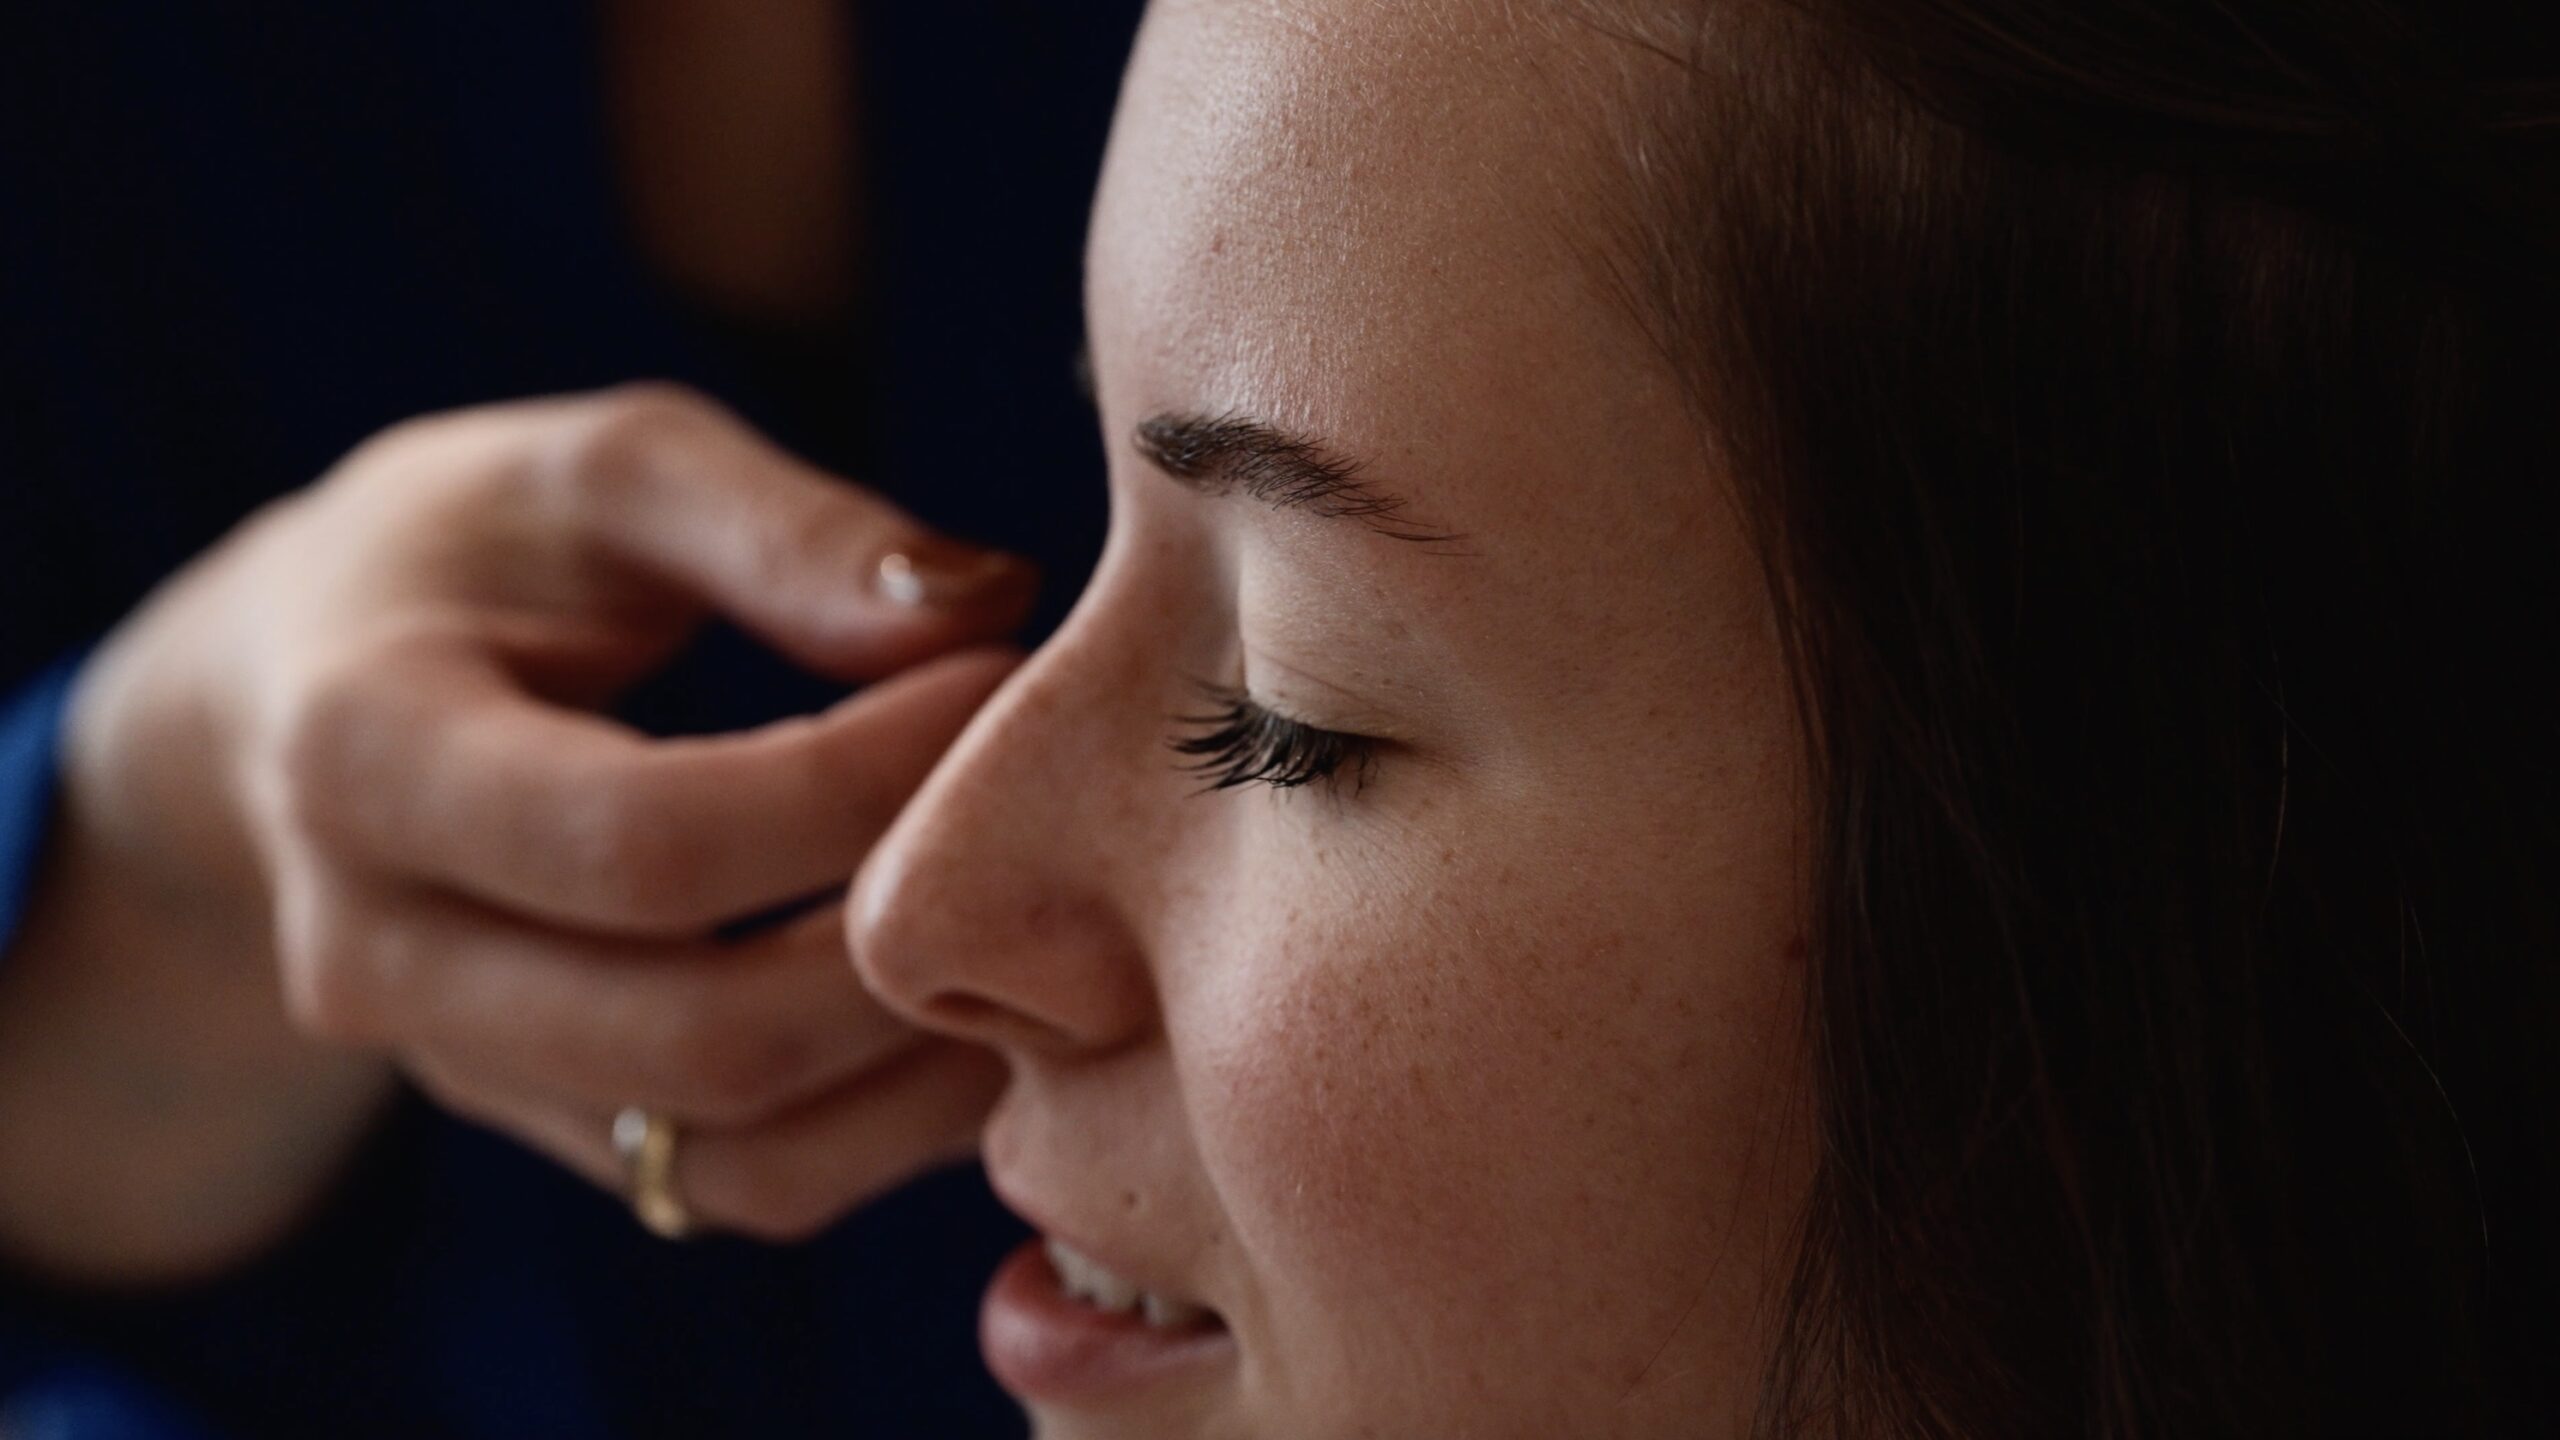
(718, 1032)
(438, 770)
(783, 1180)
(829, 573)
(801, 1171)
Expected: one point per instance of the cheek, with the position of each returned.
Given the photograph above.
(1484, 1091)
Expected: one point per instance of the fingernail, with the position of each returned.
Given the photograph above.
(939, 573)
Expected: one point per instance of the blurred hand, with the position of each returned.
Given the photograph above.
(355, 750)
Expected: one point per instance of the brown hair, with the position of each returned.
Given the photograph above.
(2146, 412)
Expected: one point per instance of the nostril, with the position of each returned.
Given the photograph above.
(966, 1012)
(957, 1012)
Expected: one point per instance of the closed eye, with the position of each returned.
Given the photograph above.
(1242, 742)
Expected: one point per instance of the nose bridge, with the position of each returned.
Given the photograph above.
(990, 911)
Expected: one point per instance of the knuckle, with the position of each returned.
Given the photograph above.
(343, 965)
(390, 442)
(326, 988)
(316, 761)
(646, 397)
(610, 438)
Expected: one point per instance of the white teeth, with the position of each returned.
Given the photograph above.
(1084, 1280)
(1169, 1314)
(1087, 1281)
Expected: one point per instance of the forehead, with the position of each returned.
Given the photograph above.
(1339, 194)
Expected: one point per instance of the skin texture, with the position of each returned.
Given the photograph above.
(335, 806)
(1468, 1094)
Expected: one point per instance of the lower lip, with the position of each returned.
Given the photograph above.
(1050, 1349)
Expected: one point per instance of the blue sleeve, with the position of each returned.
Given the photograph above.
(82, 1400)
(49, 1389)
(30, 744)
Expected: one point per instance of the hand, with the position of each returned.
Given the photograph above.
(350, 761)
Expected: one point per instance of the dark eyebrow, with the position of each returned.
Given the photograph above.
(1217, 454)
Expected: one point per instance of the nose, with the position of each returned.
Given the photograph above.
(991, 911)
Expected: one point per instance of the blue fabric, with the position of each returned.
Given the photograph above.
(87, 1401)
(235, 240)
(30, 728)
(50, 1391)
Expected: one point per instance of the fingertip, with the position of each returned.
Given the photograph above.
(930, 573)
(871, 633)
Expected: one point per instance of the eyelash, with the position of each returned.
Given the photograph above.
(1243, 743)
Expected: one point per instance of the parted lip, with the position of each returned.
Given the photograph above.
(1102, 1248)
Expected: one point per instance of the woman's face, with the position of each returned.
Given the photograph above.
(1455, 1083)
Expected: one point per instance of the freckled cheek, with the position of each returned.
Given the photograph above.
(1396, 1102)
(1413, 1116)
(1329, 1109)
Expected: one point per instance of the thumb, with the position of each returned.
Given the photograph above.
(825, 571)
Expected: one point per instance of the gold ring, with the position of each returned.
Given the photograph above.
(646, 1142)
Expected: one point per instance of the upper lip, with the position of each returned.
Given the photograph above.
(1101, 1251)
